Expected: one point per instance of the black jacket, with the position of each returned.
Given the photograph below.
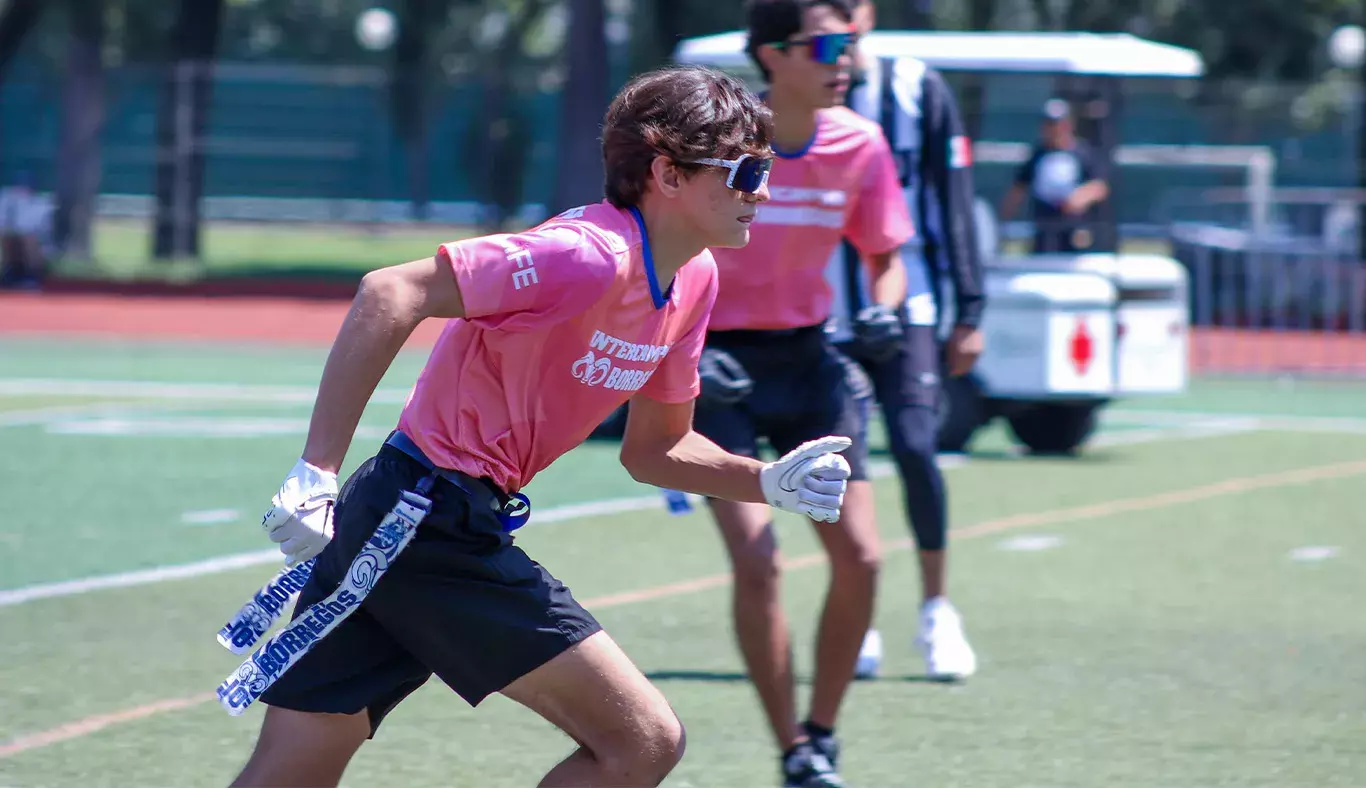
(922, 124)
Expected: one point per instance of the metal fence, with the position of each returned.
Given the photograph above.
(1286, 297)
(1248, 186)
(289, 141)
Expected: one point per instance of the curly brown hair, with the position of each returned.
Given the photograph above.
(684, 113)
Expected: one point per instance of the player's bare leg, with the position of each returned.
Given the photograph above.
(628, 735)
(932, 572)
(854, 549)
(760, 623)
(297, 748)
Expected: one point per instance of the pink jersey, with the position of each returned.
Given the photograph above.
(844, 184)
(564, 323)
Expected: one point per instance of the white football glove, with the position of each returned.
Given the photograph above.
(300, 518)
(810, 479)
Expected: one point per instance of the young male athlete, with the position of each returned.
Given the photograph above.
(920, 120)
(834, 177)
(553, 329)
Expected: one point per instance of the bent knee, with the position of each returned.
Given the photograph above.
(653, 749)
(917, 439)
(861, 562)
(856, 558)
(756, 561)
(756, 569)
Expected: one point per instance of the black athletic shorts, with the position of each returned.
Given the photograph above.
(803, 389)
(461, 601)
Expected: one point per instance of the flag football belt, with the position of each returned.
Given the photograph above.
(276, 655)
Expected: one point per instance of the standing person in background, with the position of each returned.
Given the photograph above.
(1060, 180)
(903, 351)
(25, 234)
(769, 372)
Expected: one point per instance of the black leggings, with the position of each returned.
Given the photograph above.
(907, 387)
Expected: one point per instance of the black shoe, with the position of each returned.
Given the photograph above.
(804, 766)
(825, 743)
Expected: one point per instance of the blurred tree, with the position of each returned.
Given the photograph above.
(578, 174)
(17, 19)
(661, 25)
(188, 84)
(918, 14)
(410, 86)
(78, 152)
(514, 54)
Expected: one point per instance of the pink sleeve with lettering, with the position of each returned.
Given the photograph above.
(677, 380)
(525, 280)
(880, 220)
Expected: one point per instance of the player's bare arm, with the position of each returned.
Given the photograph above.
(661, 448)
(888, 278)
(389, 305)
(1085, 196)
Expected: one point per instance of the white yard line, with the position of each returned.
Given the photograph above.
(878, 469)
(1195, 429)
(1182, 426)
(304, 395)
(146, 389)
(1256, 421)
(59, 413)
(227, 563)
(1235, 486)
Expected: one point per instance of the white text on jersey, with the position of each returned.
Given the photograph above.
(525, 275)
(628, 351)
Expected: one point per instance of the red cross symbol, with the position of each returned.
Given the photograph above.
(1082, 349)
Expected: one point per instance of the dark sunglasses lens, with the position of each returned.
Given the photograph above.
(750, 175)
(827, 47)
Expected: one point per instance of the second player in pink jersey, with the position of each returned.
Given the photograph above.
(841, 182)
(551, 330)
(769, 372)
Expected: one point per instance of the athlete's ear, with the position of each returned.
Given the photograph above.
(769, 55)
(668, 179)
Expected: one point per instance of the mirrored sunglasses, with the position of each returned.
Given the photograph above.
(824, 47)
(748, 173)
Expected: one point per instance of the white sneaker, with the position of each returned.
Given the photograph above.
(869, 656)
(948, 657)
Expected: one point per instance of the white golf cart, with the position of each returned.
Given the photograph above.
(1065, 333)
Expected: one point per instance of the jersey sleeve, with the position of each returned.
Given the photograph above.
(522, 281)
(880, 220)
(676, 380)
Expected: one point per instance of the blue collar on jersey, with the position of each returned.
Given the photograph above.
(660, 297)
(800, 153)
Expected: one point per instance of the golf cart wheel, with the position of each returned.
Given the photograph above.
(962, 411)
(1054, 428)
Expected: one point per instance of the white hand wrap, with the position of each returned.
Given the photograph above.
(300, 517)
(810, 479)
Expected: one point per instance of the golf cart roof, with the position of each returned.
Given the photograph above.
(1098, 54)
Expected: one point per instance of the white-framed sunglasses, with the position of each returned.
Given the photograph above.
(748, 174)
